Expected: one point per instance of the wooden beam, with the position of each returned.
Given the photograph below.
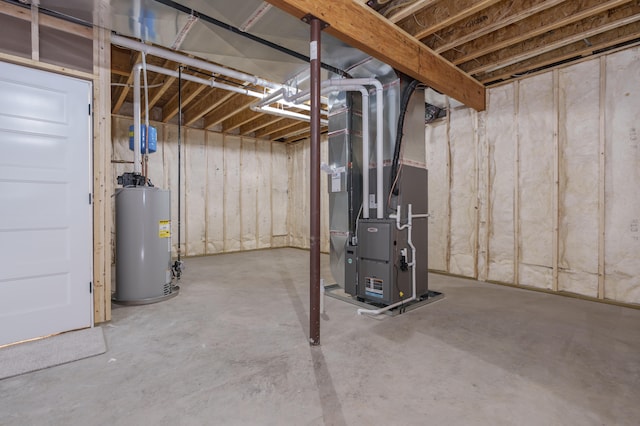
(122, 91)
(239, 119)
(232, 106)
(549, 41)
(189, 92)
(601, 41)
(445, 13)
(556, 17)
(499, 15)
(211, 100)
(260, 122)
(362, 28)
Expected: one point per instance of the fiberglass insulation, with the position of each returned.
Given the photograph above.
(554, 171)
(234, 190)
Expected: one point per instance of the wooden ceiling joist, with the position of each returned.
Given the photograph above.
(189, 91)
(551, 19)
(243, 117)
(212, 99)
(276, 127)
(552, 40)
(361, 27)
(228, 108)
(123, 91)
(290, 131)
(598, 42)
(259, 123)
(165, 82)
(499, 15)
(427, 21)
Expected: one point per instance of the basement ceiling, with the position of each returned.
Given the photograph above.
(492, 41)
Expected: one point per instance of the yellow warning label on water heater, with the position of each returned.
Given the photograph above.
(164, 229)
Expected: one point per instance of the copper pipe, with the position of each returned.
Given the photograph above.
(314, 239)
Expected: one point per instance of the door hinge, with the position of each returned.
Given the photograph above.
(90, 198)
(89, 109)
(90, 287)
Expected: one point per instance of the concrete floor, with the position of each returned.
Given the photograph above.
(232, 349)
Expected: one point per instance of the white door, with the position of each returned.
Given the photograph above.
(45, 210)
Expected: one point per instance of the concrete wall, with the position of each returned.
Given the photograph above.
(541, 189)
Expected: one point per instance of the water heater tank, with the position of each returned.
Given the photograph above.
(143, 245)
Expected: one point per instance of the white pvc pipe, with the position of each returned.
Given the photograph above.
(284, 113)
(212, 83)
(408, 226)
(136, 118)
(186, 60)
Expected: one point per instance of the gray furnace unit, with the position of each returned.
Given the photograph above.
(382, 258)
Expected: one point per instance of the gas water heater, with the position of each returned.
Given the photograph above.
(143, 238)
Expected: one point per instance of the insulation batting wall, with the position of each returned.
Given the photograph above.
(234, 190)
(541, 189)
(299, 195)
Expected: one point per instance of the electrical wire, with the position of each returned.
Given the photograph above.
(395, 164)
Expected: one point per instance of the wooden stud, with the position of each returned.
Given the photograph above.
(557, 160)
(206, 193)
(476, 160)
(450, 184)
(488, 201)
(516, 186)
(602, 179)
(102, 148)
(361, 27)
(35, 32)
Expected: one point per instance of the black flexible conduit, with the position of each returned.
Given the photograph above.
(235, 30)
(404, 103)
